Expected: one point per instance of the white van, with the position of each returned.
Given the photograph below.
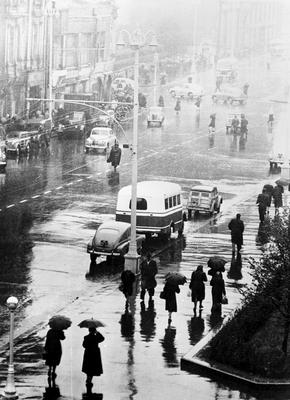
(159, 208)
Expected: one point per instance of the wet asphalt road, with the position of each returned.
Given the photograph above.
(50, 208)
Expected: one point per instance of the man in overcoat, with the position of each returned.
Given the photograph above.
(236, 226)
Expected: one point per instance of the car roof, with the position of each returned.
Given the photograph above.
(203, 188)
(101, 128)
(153, 187)
(119, 225)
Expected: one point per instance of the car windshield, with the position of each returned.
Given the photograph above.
(108, 234)
(205, 194)
(100, 132)
(195, 194)
(13, 134)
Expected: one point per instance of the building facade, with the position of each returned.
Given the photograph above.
(247, 26)
(81, 50)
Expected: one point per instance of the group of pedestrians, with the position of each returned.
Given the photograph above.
(148, 271)
(264, 200)
(92, 361)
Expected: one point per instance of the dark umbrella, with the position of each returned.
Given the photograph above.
(91, 323)
(217, 263)
(176, 278)
(59, 322)
(283, 181)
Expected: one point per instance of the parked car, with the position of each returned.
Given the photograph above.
(3, 161)
(101, 139)
(73, 124)
(230, 96)
(112, 239)
(155, 116)
(204, 199)
(227, 69)
(18, 142)
(188, 90)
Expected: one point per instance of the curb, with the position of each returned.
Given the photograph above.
(192, 361)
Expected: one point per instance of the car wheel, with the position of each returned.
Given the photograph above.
(148, 235)
(189, 214)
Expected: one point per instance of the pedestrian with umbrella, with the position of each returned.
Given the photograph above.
(92, 361)
(218, 292)
(177, 107)
(52, 347)
(215, 264)
(115, 155)
(277, 196)
(171, 287)
(197, 287)
(262, 201)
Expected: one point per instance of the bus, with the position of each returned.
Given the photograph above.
(159, 208)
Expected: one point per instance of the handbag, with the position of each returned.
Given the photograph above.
(162, 295)
(225, 299)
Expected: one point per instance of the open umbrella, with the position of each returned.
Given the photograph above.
(176, 278)
(217, 263)
(91, 323)
(59, 322)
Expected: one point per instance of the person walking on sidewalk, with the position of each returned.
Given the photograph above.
(198, 277)
(169, 291)
(128, 278)
(92, 361)
(177, 107)
(115, 156)
(277, 196)
(148, 270)
(236, 226)
(53, 351)
(217, 291)
(262, 201)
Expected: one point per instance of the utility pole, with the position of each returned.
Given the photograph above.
(219, 25)
(28, 54)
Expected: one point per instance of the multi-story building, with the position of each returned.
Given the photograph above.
(246, 26)
(81, 49)
(22, 53)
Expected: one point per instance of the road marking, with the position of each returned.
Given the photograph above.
(59, 187)
(79, 180)
(11, 205)
(47, 192)
(36, 196)
(89, 177)
(70, 183)
(23, 201)
(75, 169)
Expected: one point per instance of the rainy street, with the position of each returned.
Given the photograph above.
(51, 205)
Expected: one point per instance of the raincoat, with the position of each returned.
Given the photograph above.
(236, 227)
(197, 286)
(92, 362)
(170, 291)
(52, 347)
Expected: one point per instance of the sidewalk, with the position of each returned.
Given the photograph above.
(139, 345)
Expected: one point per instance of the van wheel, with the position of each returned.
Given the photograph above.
(93, 257)
(164, 236)
(148, 236)
(189, 214)
(109, 259)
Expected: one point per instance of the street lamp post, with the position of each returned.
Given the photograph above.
(155, 78)
(135, 41)
(10, 390)
(51, 12)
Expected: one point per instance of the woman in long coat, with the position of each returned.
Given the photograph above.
(170, 291)
(92, 361)
(218, 291)
(197, 287)
(53, 350)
